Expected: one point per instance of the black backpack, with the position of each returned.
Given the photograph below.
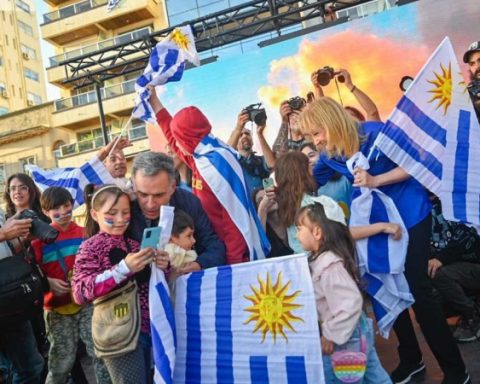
(22, 285)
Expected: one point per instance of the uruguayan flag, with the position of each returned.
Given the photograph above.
(162, 325)
(248, 323)
(166, 64)
(434, 135)
(381, 258)
(73, 179)
(218, 165)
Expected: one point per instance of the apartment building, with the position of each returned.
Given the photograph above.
(80, 28)
(22, 82)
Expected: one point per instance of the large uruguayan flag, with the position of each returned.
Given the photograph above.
(218, 165)
(166, 64)
(248, 323)
(73, 179)
(434, 135)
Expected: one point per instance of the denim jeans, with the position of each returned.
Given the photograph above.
(374, 373)
(19, 349)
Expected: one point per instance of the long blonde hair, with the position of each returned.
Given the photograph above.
(325, 114)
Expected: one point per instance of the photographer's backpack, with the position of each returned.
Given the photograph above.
(21, 288)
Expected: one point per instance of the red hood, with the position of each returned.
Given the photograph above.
(189, 126)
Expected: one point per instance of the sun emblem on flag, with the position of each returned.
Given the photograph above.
(272, 307)
(442, 93)
(181, 39)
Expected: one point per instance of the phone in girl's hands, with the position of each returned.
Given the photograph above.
(151, 237)
(267, 183)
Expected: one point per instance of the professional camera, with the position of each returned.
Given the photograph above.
(326, 74)
(256, 114)
(296, 103)
(40, 229)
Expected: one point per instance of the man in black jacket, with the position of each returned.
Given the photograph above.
(454, 267)
(153, 178)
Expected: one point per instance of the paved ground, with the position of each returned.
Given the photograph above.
(470, 352)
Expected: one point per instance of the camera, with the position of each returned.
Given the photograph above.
(296, 103)
(256, 114)
(474, 89)
(40, 229)
(326, 74)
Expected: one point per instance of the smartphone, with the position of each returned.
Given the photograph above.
(151, 237)
(267, 183)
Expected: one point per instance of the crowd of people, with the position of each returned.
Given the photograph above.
(302, 191)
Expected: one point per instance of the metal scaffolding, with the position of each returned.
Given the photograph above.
(231, 25)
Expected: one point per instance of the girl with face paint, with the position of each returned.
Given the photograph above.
(107, 260)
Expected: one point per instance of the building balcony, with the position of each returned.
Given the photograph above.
(77, 111)
(89, 17)
(137, 132)
(92, 48)
(56, 74)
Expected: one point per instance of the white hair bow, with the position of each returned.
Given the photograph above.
(333, 211)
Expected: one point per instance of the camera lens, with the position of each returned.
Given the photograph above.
(323, 77)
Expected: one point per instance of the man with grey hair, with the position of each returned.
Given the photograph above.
(153, 179)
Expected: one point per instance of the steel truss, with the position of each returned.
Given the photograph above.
(231, 25)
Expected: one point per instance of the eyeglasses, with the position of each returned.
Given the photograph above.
(19, 188)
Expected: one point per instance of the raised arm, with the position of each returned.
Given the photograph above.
(237, 132)
(267, 151)
(363, 99)
(280, 143)
(318, 91)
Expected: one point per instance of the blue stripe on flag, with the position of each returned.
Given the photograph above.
(160, 358)
(373, 285)
(170, 59)
(377, 246)
(460, 174)
(167, 307)
(177, 76)
(154, 60)
(91, 174)
(194, 336)
(296, 373)
(223, 325)
(258, 369)
(425, 123)
(419, 154)
(225, 169)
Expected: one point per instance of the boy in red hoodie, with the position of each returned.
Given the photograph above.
(184, 131)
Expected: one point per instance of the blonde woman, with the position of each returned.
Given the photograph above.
(333, 130)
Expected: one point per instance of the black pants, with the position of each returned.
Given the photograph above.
(455, 282)
(427, 308)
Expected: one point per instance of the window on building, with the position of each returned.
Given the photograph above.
(1, 61)
(6, 39)
(3, 86)
(23, 6)
(3, 177)
(30, 160)
(32, 75)
(4, 111)
(33, 99)
(28, 53)
(25, 27)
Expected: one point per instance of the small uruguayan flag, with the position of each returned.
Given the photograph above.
(112, 4)
(381, 259)
(218, 165)
(248, 323)
(434, 135)
(166, 64)
(73, 179)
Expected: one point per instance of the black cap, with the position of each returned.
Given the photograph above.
(474, 47)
